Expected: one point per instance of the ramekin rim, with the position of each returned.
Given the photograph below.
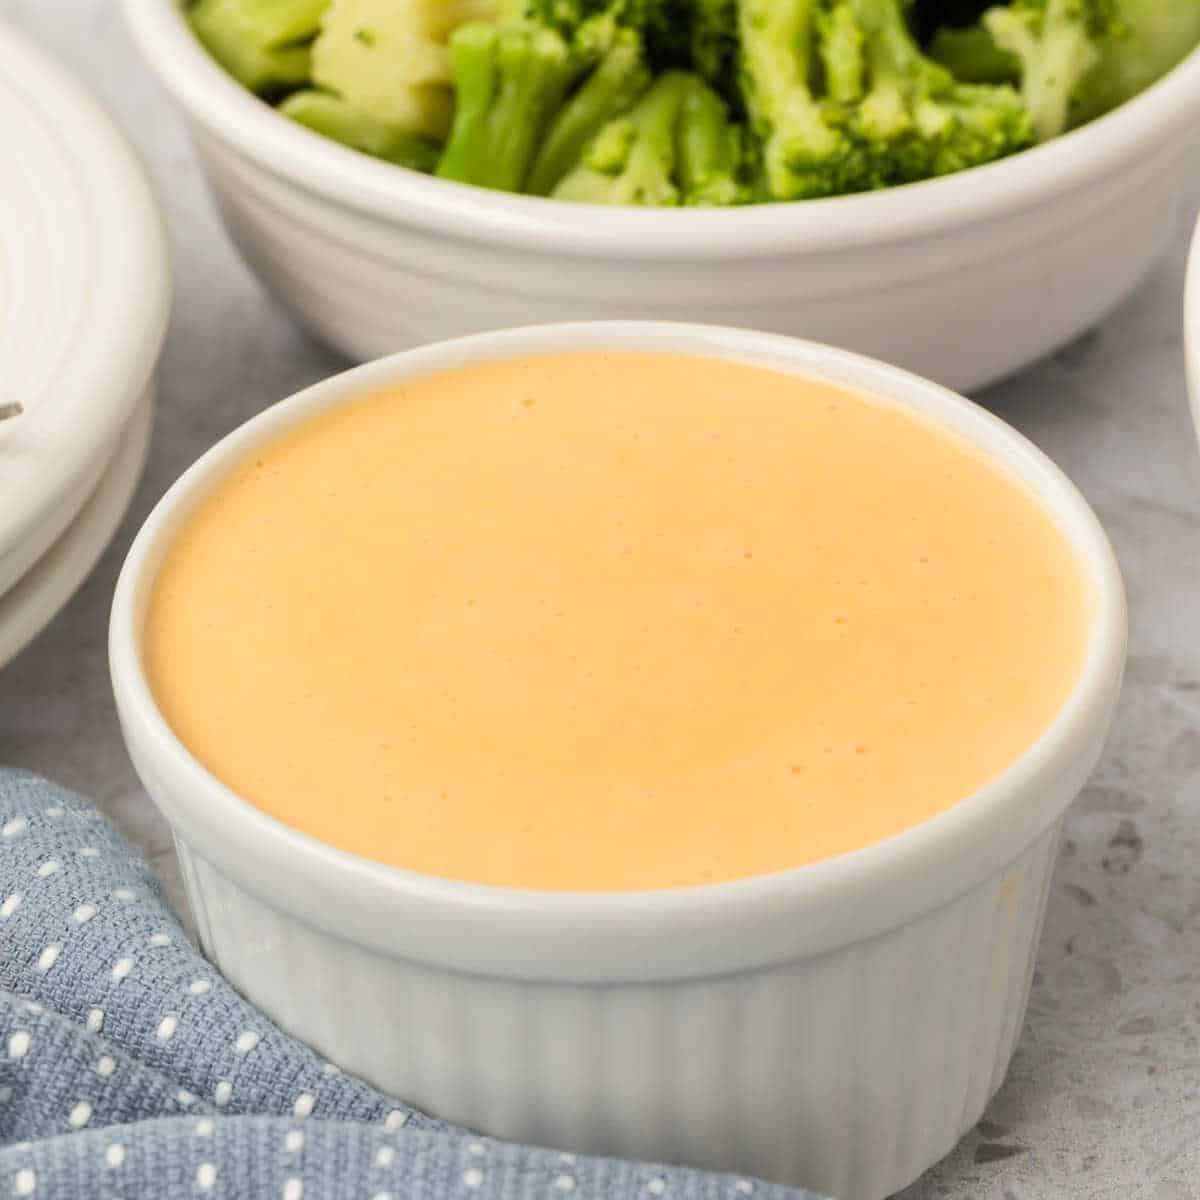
(637, 914)
(392, 194)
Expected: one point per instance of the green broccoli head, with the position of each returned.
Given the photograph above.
(632, 160)
(510, 80)
(913, 119)
(804, 152)
(663, 24)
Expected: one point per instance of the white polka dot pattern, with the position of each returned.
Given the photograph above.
(162, 1019)
(246, 1041)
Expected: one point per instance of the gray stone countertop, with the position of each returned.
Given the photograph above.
(1103, 1099)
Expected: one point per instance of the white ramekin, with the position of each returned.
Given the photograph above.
(962, 279)
(840, 1025)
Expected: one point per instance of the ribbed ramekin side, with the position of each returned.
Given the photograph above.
(849, 1073)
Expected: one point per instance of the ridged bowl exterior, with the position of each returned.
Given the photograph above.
(963, 309)
(849, 1073)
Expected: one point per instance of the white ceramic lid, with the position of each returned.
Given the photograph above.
(84, 297)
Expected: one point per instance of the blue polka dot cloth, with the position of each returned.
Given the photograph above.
(130, 1070)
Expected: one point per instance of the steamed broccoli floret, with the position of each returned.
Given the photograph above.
(1074, 59)
(388, 58)
(509, 82)
(708, 149)
(331, 116)
(619, 78)
(261, 43)
(1148, 38)
(663, 24)
(632, 159)
(804, 153)
(915, 120)
(1056, 44)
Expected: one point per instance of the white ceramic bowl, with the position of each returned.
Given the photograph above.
(84, 300)
(840, 1025)
(1191, 327)
(962, 279)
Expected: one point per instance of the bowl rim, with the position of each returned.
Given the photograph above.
(625, 936)
(394, 195)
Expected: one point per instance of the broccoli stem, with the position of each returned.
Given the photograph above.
(334, 118)
(972, 56)
(1055, 51)
(708, 149)
(841, 49)
(259, 42)
(611, 89)
(631, 160)
(802, 155)
(509, 81)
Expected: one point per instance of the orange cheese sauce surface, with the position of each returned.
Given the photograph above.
(613, 621)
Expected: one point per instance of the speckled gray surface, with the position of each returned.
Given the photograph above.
(1103, 1099)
